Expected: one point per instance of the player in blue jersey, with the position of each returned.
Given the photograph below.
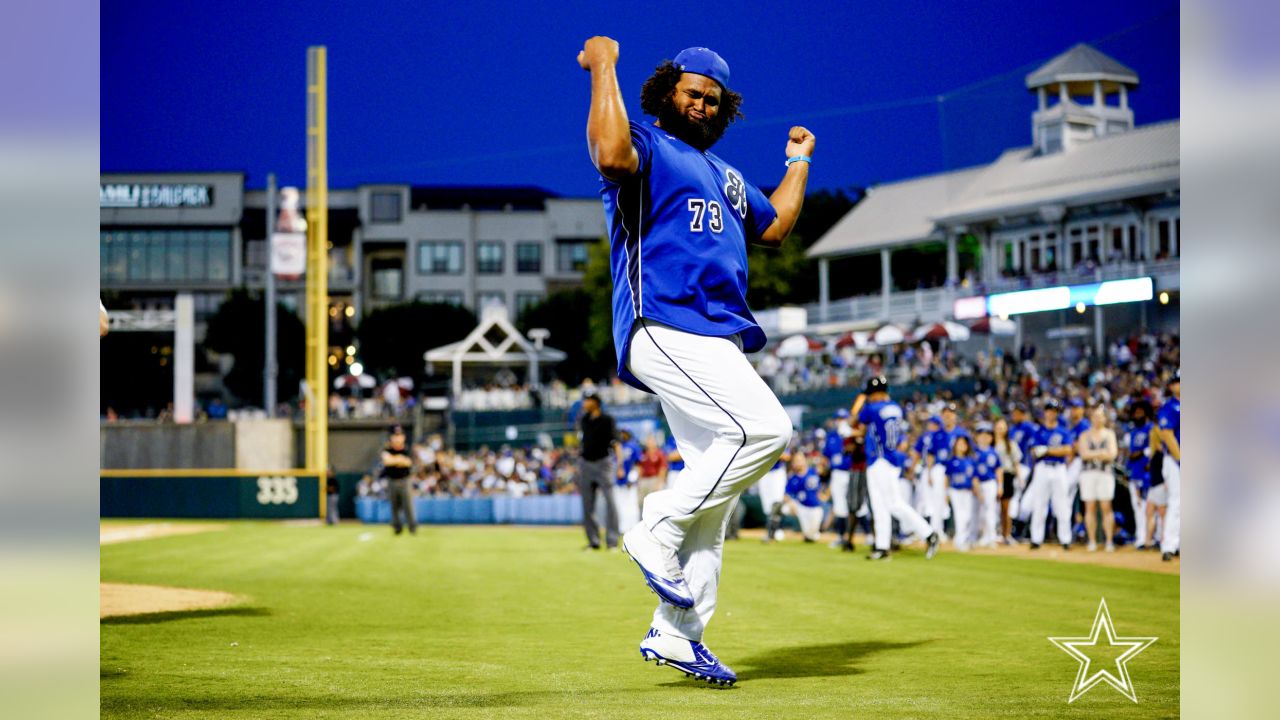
(987, 467)
(886, 442)
(1169, 439)
(1052, 449)
(1022, 432)
(680, 219)
(841, 460)
(803, 499)
(675, 461)
(962, 489)
(1138, 442)
(939, 453)
(1077, 422)
(625, 492)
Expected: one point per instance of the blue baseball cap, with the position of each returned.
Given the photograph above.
(1075, 402)
(703, 61)
(935, 419)
(842, 413)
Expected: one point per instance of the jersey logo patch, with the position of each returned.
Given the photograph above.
(735, 191)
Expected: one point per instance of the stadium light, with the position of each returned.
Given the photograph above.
(357, 369)
(1066, 296)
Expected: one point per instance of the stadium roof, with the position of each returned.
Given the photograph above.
(1142, 161)
(893, 214)
(1139, 162)
(1081, 63)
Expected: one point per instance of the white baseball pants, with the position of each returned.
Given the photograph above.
(840, 493)
(963, 505)
(729, 428)
(772, 488)
(1139, 505)
(1050, 485)
(990, 512)
(1171, 539)
(626, 500)
(887, 504)
(936, 498)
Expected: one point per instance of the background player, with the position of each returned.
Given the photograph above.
(676, 212)
(802, 500)
(1138, 457)
(841, 461)
(987, 470)
(886, 442)
(1169, 438)
(962, 489)
(1049, 484)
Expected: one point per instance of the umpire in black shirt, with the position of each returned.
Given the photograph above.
(597, 469)
(397, 464)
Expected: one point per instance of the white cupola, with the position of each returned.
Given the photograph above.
(1082, 94)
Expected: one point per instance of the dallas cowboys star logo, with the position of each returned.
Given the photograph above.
(1085, 680)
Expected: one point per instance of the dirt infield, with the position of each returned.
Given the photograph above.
(117, 599)
(1126, 558)
(118, 532)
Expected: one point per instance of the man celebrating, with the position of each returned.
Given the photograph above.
(680, 219)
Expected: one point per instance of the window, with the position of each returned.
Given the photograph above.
(1164, 239)
(489, 258)
(525, 300)
(485, 299)
(529, 257)
(571, 255)
(164, 257)
(440, 257)
(441, 296)
(387, 279)
(384, 207)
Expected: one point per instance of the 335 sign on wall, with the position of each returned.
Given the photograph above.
(277, 490)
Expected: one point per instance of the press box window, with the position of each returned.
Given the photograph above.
(489, 258)
(384, 207)
(440, 258)
(529, 257)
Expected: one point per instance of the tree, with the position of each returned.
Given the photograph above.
(569, 315)
(393, 339)
(238, 328)
(785, 275)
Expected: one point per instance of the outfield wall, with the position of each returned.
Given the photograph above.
(217, 494)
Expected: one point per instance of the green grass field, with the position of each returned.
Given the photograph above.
(479, 622)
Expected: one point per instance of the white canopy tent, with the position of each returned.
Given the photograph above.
(495, 341)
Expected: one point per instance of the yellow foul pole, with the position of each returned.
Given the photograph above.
(317, 365)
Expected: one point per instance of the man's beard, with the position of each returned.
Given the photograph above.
(701, 134)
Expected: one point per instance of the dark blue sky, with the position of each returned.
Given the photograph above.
(490, 93)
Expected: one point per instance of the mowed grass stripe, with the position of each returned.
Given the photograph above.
(475, 622)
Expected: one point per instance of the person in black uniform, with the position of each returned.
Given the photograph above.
(396, 466)
(598, 468)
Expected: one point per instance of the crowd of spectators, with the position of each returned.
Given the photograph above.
(516, 472)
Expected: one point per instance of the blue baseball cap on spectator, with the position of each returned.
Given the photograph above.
(1075, 402)
(842, 413)
(935, 420)
(703, 61)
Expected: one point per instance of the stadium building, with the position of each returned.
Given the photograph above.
(202, 234)
(1092, 199)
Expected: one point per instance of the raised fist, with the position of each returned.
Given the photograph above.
(598, 50)
(800, 142)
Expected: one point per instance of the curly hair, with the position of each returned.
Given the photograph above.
(661, 85)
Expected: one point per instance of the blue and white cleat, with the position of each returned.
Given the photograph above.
(659, 565)
(689, 657)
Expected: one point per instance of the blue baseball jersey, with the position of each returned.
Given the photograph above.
(1023, 435)
(960, 472)
(1139, 441)
(669, 447)
(943, 441)
(1079, 429)
(986, 464)
(833, 448)
(886, 428)
(1170, 418)
(1057, 436)
(804, 488)
(631, 452)
(678, 234)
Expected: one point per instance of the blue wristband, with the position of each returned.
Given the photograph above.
(799, 158)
